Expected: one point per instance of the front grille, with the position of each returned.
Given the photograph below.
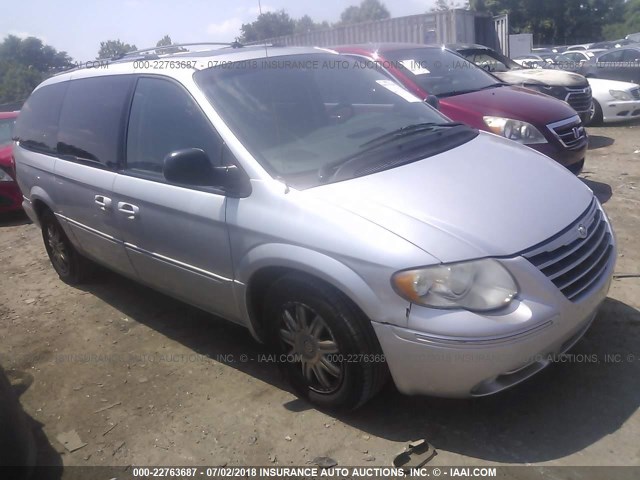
(570, 132)
(635, 93)
(575, 262)
(579, 99)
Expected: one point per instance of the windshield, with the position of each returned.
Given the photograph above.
(6, 128)
(441, 72)
(299, 115)
(489, 60)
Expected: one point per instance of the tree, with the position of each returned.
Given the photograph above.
(368, 10)
(446, 5)
(558, 22)
(305, 25)
(165, 42)
(24, 63)
(268, 25)
(631, 23)
(114, 49)
(31, 52)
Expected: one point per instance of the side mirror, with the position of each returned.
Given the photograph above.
(192, 167)
(433, 101)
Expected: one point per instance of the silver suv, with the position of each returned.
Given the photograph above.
(310, 198)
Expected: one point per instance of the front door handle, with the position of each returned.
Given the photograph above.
(103, 202)
(130, 210)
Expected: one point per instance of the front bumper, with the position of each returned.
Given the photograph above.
(617, 111)
(541, 323)
(10, 197)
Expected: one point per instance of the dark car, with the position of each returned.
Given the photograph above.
(10, 196)
(469, 94)
(621, 64)
(615, 43)
(569, 87)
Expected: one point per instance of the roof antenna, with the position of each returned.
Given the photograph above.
(266, 53)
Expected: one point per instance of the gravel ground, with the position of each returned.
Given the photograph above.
(146, 380)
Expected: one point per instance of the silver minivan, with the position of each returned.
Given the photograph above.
(310, 198)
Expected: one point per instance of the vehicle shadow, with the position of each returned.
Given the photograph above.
(200, 331)
(602, 191)
(25, 451)
(14, 219)
(562, 410)
(600, 141)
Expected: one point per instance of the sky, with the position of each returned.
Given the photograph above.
(78, 26)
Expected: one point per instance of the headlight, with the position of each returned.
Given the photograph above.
(478, 286)
(521, 132)
(620, 95)
(5, 177)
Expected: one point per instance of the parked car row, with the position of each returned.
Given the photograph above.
(339, 217)
(620, 63)
(597, 96)
(469, 94)
(631, 39)
(571, 88)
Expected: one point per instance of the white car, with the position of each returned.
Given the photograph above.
(613, 101)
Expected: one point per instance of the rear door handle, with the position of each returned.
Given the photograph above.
(103, 202)
(130, 210)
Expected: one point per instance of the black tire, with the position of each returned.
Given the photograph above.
(71, 267)
(597, 117)
(346, 342)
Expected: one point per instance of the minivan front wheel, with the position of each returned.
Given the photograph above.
(70, 266)
(326, 347)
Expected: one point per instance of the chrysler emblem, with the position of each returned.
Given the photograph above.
(576, 133)
(582, 231)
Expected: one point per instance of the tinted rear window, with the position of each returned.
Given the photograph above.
(92, 119)
(37, 124)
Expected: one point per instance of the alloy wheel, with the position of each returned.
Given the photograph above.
(311, 344)
(58, 249)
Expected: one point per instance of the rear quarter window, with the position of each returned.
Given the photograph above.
(631, 55)
(37, 124)
(93, 117)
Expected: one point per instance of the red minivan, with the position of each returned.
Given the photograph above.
(467, 93)
(10, 196)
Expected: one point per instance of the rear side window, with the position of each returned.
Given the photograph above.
(92, 119)
(164, 118)
(37, 124)
(612, 57)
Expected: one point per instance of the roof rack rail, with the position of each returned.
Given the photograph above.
(235, 44)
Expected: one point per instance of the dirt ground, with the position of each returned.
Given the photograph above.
(146, 380)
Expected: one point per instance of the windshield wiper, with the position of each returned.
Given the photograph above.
(462, 92)
(408, 130)
(330, 168)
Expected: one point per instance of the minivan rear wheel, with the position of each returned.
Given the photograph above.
(326, 347)
(71, 267)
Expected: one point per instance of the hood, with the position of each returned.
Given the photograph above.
(602, 86)
(543, 76)
(488, 197)
(512, 102)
